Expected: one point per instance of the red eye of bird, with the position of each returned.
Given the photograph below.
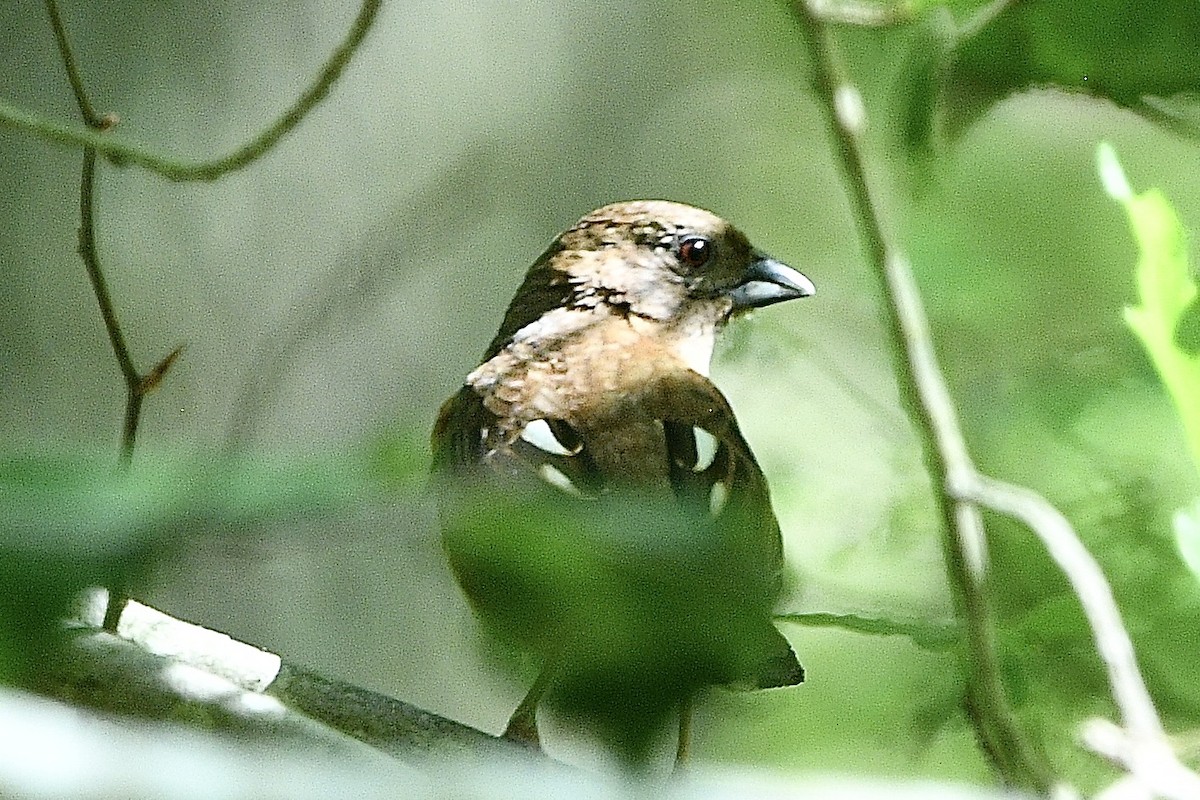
(695, 251)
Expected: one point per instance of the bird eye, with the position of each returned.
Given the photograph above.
(695, 251)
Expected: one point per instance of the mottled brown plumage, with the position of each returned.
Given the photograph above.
(595, 396)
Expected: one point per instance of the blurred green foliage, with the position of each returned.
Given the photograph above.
(70, 523)
(1166, 293)
(1165, 319)
(75, 520)
(335, 293)
(1112, 50)
(639, 604)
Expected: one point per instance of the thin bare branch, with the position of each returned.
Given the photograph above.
(136, 385)
(1152, 766)
(926, 635)
(95, 273)
(927, 402)
(175, 169)
(90, 117)
(1141, 745)
(1095, 595)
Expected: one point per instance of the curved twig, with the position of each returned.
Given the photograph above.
(1141, 745)
(122, 152)
(927, 401)
(94, 140)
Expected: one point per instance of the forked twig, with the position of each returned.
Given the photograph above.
(1140, 744)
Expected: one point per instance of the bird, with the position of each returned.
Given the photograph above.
(599, 505)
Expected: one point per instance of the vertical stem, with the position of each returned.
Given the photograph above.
(926, 400)
(90, 117)
(91, 264)
(135, 385)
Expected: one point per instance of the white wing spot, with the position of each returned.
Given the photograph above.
(538, 434)
(558, 479)
(718, 496)
(706, 449)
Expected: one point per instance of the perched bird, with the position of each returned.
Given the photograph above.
(598, 502)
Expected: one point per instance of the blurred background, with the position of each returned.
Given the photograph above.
(334, 293)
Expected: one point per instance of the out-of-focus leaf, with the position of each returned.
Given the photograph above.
(641, 603)
(1139, 57)
(399, 456)
(1165, 319)
(1186, 523)
(51, 750)
(74, 520)
(1166, 293)
(70, 521)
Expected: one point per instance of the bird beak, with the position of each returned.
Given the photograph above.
(768, 281)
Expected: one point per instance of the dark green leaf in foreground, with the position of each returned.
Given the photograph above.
(70, 521)
(75, 520)
(642, 603)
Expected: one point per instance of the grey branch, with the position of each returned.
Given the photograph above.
(164, 668)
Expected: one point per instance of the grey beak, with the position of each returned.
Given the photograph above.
(768, 281)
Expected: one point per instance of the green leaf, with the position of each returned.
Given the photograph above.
(76, 519)
(1163, 319)
(641, 605)
(1139, 57)
(70, 521)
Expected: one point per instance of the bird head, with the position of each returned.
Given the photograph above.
(676, 271)
(660, 260)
